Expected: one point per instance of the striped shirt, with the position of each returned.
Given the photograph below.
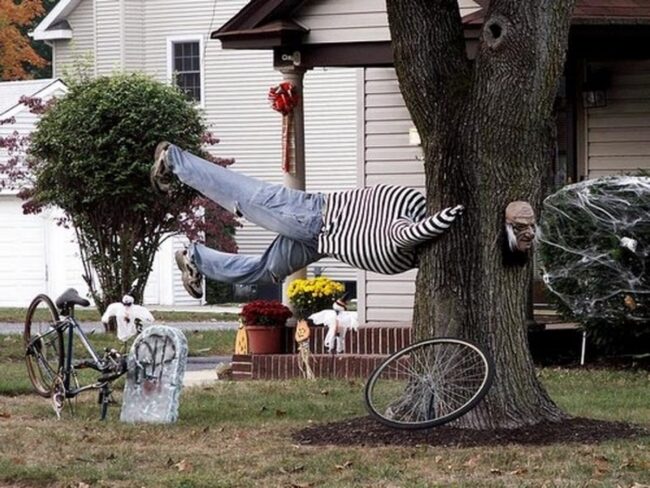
(377, 228)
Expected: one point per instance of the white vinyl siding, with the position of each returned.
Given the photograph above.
(339, 21)
(331, 142)
(388, 157)
(109, 38)
(82, 44)
(618, 135)
(134, 29)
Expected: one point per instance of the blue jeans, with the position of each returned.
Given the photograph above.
(296, 216)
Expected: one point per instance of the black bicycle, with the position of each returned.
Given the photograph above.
(49, 353)
(429, 383)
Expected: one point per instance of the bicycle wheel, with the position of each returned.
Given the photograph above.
(429, 383)
(43, 345)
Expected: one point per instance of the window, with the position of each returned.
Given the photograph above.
(185, 62)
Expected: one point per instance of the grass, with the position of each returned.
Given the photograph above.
(239, 434)
(17, 315)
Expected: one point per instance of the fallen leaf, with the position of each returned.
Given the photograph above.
(301, 485)
(345, 465)
(206, 429)
(83, 485)
(184, 465)
(495, 471)
(473, 461)
(518, 471)
(601, 465)
(438, 459)
(324, 392)
(280, 413)
(5, 415)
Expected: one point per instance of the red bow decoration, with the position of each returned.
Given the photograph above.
(284, 98)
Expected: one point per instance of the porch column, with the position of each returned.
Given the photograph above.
(295, 178)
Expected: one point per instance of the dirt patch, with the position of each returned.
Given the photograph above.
(364, 431)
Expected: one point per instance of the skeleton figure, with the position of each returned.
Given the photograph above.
(128, 317)
(520, 226)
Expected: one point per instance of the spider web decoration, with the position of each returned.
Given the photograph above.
(595, 250)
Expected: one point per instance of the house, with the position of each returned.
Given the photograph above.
(170, 40)
(603, 103)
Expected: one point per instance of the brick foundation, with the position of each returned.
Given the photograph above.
(364, 350)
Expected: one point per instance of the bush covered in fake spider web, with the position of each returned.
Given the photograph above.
(595, 257)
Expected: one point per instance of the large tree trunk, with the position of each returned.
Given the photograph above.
(486, 132)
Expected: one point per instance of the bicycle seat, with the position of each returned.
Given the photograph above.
(70, 297)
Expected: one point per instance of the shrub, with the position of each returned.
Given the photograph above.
(265, 312)
(313, 295)
(595, 255)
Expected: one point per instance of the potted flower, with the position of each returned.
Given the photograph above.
(313, 295)
(263, 321)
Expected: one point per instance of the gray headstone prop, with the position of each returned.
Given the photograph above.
(156, 365)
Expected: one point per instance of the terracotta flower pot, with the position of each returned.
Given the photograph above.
(264, 339)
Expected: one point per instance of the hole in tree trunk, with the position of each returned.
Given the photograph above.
(494, 31)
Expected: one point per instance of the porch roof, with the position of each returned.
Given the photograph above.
(594, 12)
(265, 24)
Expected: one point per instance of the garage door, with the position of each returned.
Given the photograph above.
(22, 254)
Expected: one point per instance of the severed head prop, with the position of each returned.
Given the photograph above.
(520, 226)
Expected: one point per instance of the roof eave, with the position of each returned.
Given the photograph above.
(51, 35)
(273, 34)
(60, 11)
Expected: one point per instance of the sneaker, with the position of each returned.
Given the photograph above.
(192, 279)
(161, 174)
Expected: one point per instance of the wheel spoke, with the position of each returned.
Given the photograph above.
(428, 383)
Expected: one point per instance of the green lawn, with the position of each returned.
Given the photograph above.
(239, 434)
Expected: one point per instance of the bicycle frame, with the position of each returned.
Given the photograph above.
(69, 327)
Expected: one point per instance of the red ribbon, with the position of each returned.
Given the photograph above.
(284, 98)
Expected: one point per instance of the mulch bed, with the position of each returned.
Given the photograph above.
(364, 431)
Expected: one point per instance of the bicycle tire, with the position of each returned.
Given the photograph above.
(44, 352)
(411, 389)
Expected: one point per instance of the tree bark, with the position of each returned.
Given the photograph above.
(486, 131)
